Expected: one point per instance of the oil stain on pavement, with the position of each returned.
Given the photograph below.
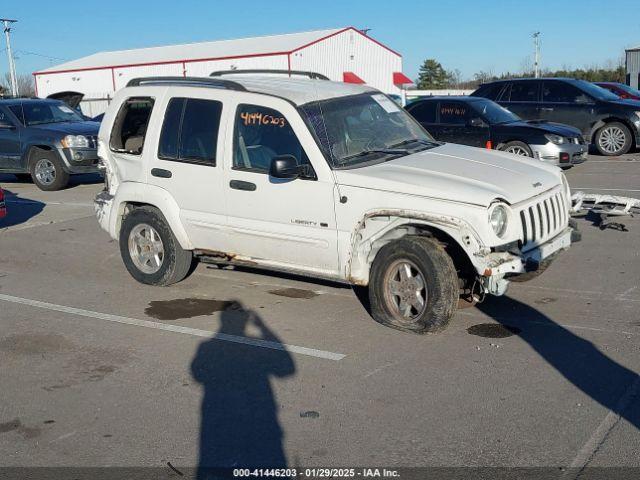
(294, 293)
(187, 308)
(493, 330)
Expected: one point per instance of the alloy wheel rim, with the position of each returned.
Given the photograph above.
(405, 291)
(612, 139)
(45, 171)
(146, 248)
(517, 151)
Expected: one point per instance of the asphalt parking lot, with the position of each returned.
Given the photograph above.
(98, 370)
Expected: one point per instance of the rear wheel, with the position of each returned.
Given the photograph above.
(47, 171)
(413, 285)
(518, 148)
(613, 139)
(150, 250)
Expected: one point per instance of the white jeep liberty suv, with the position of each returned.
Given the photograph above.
(322, 179)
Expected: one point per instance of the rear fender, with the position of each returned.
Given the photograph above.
(130, 194)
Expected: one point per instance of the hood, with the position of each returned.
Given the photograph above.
(72, 99)
(457, 173)
(550, 127)
(71, 128)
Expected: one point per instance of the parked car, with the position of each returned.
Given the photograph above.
(3, 205)
(326, 180)
(479, 122)
(47, 141)
(604, 119)
(621, 90)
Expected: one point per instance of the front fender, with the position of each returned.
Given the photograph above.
(141, 194)
(378, 228)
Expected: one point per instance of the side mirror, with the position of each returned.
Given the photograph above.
(284, 166)
(477, 122)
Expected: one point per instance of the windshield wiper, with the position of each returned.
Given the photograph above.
(387, 151)
(416, 140)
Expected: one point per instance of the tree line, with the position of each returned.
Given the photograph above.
(433, 76)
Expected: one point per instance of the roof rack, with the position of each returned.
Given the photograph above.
(187, 81)
(311, 75)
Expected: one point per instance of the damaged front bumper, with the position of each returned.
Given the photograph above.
(501, 266)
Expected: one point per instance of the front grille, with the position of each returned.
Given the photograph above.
(93, 141)
(543, 219)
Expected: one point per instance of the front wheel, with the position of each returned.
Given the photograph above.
(413, 285)
(613, 139)
(150, 250)
(47, 171)
(518, 148)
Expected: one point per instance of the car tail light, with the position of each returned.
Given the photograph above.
(489, 145)
(3, 208)
(564, 157)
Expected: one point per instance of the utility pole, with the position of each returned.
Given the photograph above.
(536, 47)
(12, 66)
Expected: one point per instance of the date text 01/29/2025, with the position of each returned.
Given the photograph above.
(313, 473)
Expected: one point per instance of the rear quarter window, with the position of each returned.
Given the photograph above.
(424, 112)
(130, 126)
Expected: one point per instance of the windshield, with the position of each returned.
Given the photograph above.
(596, 91)
(363, 128)
(39, 113)
(494, 113)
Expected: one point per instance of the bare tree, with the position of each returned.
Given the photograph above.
(26, 87)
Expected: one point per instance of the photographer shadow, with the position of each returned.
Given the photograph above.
(239, 413)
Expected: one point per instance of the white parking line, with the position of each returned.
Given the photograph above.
(254, 342)
(592, 445)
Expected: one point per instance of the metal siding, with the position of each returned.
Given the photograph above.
(350, 52)
(203, 69)
(123, 75)
(95, 83)
(633, 67)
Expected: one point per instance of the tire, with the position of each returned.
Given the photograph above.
(47, 171)
(517, 148)
(425, 258)
(144, 227)
(613, 139)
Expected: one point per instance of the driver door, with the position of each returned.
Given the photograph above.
(287, 223)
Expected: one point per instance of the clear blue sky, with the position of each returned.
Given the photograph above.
(461, 34)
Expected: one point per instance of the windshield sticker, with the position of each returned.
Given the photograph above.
(389, 105)
(65, 109)
(257, 118)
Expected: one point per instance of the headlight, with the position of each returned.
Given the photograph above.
(498, 218)
(557, 139)
(75, 141)
(637, 115)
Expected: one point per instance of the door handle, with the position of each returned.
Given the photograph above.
(161, 172)
(240, 185)
(546, 109)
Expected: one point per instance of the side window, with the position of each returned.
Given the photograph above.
(130, 126)
(424, 112)
(453, 113)
(524, 92)
(18, 112)
(260, 135)
(491, 91)
(190, 131)
(563, 93)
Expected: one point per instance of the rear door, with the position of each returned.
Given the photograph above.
(186, 165)
(522, 98)
(425, 114)
(565, 103)
(9, 141)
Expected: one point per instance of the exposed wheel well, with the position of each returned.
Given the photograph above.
(33, 149)
(126, 207)
(464, 268)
